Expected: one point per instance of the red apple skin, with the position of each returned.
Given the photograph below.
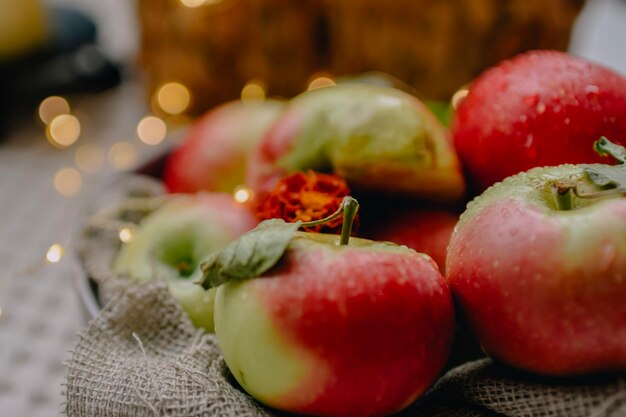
(425, 231)
(378, 325)
(542, 108)
(543, 290)
(213, 154)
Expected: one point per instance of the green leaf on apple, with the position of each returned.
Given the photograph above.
(251, 255)
(607, 176)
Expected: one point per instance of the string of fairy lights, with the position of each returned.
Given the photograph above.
(63, 131)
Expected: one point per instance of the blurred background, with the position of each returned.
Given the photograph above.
(90, 89)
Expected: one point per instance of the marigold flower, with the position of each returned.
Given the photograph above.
(306, 196)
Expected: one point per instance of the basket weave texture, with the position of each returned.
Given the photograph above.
(434, 46)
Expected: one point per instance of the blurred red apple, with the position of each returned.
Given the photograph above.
(214, 153)
(541, 108)
(425, 231)
(378, 139)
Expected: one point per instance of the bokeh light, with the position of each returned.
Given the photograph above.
(151, 130)
(68, 182)
(52, 107)
(320, 80)
(126, 234)
(63, 130)
(242, 194)
(458, 97)
(55, 253)
(253, 93)
(173, 98)
(89, 158)
(122, 156)
(198, 3)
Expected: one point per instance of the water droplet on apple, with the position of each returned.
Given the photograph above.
(567, 121)
(541, 107)
(495, 264)
(533, 238)
(529, 141)
(591, 90)
(556, 109)
(608, 255)
(531, 100)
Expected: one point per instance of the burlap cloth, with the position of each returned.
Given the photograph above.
(142, 357)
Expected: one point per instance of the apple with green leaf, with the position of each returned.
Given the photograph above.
(537, 264)
(326, 325)
(171, 241)
(379, 139)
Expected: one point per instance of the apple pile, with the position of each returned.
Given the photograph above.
(329, 325)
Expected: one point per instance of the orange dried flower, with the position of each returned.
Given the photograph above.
(306, 196)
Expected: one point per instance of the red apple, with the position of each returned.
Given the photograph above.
(213, 154)
(357, 329)
(425, 231)
(377, 138)
(541, 108)
(539, 271)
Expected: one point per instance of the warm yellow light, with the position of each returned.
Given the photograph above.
(198, 3)
(63, 130)
(0, 312)
(173, 98)
(126, 234)
(89, 158)
(458, 97)
(122, 156)
(68, 182)
(52, 107)
(253, 93)
(242, 194)
(320, 81)
(55, 253)
(151, 130)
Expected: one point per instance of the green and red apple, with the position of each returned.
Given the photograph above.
(214, 153)
(170, 243)
(329, 329)
(379, 139)
(537, 264)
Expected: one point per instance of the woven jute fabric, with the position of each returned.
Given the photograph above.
(142, 357)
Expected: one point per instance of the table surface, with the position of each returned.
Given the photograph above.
(39, 310)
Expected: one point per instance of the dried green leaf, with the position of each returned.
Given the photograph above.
(603, 146)
(613, 177)
(251, 255)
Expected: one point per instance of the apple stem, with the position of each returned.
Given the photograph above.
(350, 207)
(563, 196)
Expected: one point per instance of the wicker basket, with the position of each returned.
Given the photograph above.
(435, 46)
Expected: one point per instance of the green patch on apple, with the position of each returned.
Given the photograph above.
(171, 241)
